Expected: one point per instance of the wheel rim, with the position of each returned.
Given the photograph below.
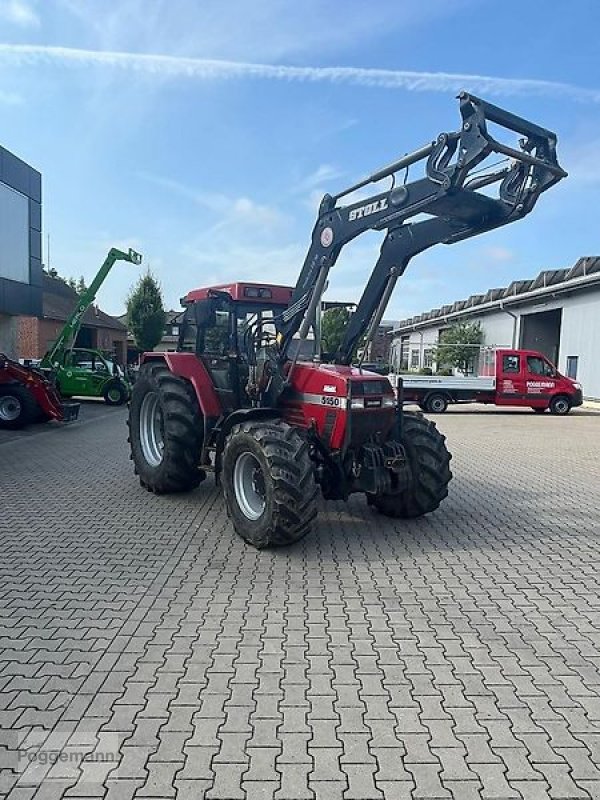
(249, 486)
(10, 408)
(437, 404)
(561, 406)
(114, 394)
(152, 430)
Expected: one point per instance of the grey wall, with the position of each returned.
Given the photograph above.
(20, 258)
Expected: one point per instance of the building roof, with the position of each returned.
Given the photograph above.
(59, 300)
(585, 273)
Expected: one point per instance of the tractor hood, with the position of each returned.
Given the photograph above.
(337, 379)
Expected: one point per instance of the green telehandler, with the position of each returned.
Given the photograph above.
(85, 372)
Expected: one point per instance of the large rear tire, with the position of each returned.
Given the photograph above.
(18, 407)
(165, 431)
(429, 460)
(269, 483)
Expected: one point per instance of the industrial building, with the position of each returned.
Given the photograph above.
(21, 246)
(557, 313)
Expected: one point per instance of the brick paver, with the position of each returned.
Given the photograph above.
(146, 651)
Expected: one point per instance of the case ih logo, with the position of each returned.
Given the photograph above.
(365, 211)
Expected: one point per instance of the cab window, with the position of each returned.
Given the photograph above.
(217, 336)
(539, 366)
(511, 363)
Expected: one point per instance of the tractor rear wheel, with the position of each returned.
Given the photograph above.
(165, 431)
(429, 460)
(269, 483)
(18, 407)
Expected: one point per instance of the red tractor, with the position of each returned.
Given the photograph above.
(249, 396)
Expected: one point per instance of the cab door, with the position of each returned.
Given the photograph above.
(540, 380)
(216, 348)
(510, 379)
(84, 374)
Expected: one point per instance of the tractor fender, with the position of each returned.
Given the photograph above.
(240, 415)
(189, 366)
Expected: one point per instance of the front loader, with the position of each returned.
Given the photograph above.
(248, 395)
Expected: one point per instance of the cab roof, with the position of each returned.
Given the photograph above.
(263, 293)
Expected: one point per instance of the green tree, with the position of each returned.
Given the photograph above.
(333, 326)
(146, 313)
(459, 346)
(80, 286)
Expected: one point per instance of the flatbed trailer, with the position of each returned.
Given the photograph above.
(510, 377)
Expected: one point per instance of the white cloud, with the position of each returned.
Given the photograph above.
(165, 66)
(19, 12)
(323, 174)
(231, 209)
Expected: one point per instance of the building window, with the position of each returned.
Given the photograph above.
(404, 349)
(428, 358)
(572, 364)
(175, 330)
(414, 359)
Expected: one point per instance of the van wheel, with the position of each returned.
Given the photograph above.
(436, 404)
(560, 405)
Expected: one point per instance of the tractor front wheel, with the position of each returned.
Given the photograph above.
(269, 483)
(165, 431)
(429, 461)
(18, 407)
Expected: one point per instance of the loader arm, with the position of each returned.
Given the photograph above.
(66, 339)
(449, 194)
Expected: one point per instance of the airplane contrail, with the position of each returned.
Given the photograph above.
(166, 66)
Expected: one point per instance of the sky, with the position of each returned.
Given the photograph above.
(204, 133)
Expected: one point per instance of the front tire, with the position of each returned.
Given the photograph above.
(18, 407)
(165, 431)
(115, 394)
(560, 405)
(269, 483)
(429, 461)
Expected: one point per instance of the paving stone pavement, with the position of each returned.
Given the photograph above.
(146, 651)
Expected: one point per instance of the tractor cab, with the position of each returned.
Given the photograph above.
(220, 326)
